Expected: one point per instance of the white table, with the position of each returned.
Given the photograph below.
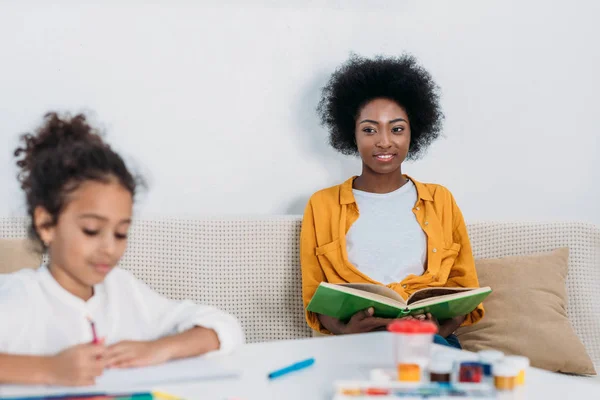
(337, 358)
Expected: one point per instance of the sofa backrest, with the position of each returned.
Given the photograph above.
(495, 240)
(250, 266)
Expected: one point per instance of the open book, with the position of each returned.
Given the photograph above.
(342, 301)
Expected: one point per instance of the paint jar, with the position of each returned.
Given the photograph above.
(413, 341)
(351, 391)
(505, 375)
(377, 391)
(381, 375)
(470, 372)
(522, 363)
(460, 359)
(440, 370)
(487, 359)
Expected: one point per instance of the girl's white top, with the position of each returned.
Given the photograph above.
(39, 317)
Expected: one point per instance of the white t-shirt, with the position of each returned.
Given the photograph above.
(39, 317)
(386, 242)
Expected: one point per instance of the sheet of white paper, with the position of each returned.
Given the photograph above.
(187, 370)
(139, 379)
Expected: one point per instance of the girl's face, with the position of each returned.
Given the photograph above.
(382, 135)
(90, 235)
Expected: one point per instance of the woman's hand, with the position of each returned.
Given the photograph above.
(361, 322)
(446, 327)
(364, 321)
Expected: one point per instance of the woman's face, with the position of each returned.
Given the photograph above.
(382, 135)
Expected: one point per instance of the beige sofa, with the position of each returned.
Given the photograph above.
(250, 266)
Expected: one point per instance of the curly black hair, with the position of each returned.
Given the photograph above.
(360, 80)
(63, 153)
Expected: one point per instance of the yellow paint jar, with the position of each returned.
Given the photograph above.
(522, 364)
(351, 391)
(409, 372)
(505, 375)
(488, 358)
(413, 341)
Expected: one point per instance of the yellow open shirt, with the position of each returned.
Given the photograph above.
(330, 213)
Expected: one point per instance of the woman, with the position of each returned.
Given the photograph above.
(384, 227)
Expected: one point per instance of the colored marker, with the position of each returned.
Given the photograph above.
(95, 341)
(90, 396)
(294, 367)
(59, 397)
(133, 396)
(165, 396)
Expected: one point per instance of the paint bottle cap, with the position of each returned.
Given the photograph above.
(445, 355)
(505, 369)
(490, 356)
(412, 326)
(470, 364)
(465, 357)
(520, 362)
(381, 375)
(440, 365)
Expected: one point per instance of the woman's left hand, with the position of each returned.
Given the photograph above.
(447, 327)
(429, 317)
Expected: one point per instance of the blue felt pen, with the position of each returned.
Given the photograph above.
(294, 367)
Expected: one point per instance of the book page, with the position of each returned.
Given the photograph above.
(457, 293)
(366, 294)
(435, 292)
(376, 289)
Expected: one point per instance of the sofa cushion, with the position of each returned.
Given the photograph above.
(16, 254)
(526, 312)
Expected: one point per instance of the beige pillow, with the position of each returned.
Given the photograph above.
(16, 254)
(526, 313)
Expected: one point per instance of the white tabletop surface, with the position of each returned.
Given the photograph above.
(337, 358)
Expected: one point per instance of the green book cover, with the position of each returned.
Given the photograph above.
(342, 301)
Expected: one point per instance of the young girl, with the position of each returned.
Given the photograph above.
(384, 227)
(79, 197)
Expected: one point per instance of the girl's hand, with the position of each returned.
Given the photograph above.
(129, 354)
(77, 366)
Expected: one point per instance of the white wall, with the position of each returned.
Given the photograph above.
(214, 101)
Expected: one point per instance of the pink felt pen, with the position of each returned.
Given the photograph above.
(95, 340)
